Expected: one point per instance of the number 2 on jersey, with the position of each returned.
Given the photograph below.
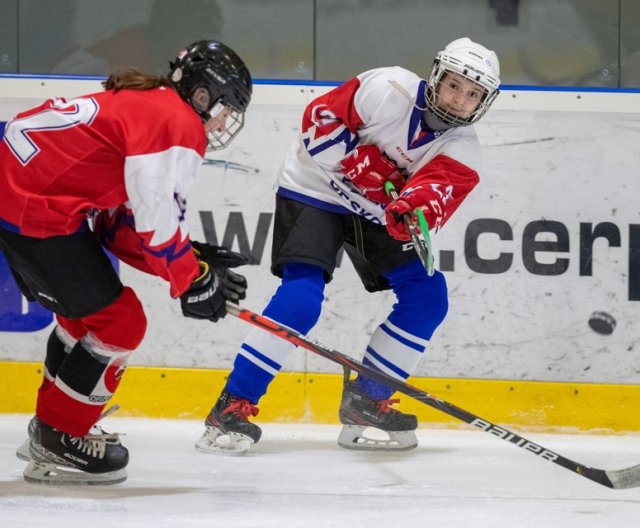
(61, 115)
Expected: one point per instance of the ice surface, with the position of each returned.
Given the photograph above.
(298, 477)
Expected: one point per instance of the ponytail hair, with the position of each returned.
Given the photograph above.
(134, 79)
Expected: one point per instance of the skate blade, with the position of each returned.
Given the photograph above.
(23, 452)
(354, 437)
(230, 444)
(53, 475)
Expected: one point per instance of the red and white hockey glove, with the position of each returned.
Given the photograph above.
(368, 169)
(409, 200)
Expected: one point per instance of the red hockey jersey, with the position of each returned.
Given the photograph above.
(131, 150)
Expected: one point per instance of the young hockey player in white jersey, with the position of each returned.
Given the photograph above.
(386, 124)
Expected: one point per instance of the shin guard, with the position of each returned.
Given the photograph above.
(84, 384)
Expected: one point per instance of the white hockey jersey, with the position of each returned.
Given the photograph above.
(383, 107)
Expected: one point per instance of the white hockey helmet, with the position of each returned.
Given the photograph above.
(474, 62)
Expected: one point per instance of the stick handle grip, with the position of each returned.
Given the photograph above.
(422, 246)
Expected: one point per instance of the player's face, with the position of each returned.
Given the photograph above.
(458, 95)
(218, 123)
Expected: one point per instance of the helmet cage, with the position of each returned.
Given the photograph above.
(233, 122)
(476, 72)
(434, 88)
(217, 140)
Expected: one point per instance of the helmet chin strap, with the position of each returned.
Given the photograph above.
(433, 122)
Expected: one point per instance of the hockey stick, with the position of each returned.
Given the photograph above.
(421, 245)
(617, 479)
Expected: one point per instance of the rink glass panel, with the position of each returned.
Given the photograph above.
(562, 43)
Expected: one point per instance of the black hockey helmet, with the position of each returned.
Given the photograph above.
(210, 76)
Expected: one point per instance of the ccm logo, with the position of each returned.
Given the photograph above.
(407, 246)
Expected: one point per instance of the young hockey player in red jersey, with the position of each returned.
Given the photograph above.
(127, 157)
(386, 124)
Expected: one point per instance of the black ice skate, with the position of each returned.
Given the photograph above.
(24, 451)
(59, 458)
(358, 411)
(228, 430)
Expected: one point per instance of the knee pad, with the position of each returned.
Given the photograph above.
(422, 300)
(120, 325)
(297, 303)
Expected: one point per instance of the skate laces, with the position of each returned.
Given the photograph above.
(95, 442)
(99, 433)
(241, 408)
(95, 447)
(384, 406)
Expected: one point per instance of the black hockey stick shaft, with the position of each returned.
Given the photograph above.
(617, 479)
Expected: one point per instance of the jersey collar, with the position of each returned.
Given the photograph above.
(419, 133)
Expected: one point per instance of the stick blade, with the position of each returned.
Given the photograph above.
(625, 478)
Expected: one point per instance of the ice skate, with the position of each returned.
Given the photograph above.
(24, 453)
(228, 430)
(58, 458)
(359, 412)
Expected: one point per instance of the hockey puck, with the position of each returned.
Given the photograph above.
(602, 323)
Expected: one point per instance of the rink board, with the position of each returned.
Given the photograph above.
(315, 398)
(550, 237)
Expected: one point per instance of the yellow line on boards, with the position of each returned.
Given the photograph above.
(156, 392)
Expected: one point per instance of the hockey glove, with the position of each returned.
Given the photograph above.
(233, 285)
(204, 298)
(409, 200)
(368, 169)
(220, 259)
(217, 256)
